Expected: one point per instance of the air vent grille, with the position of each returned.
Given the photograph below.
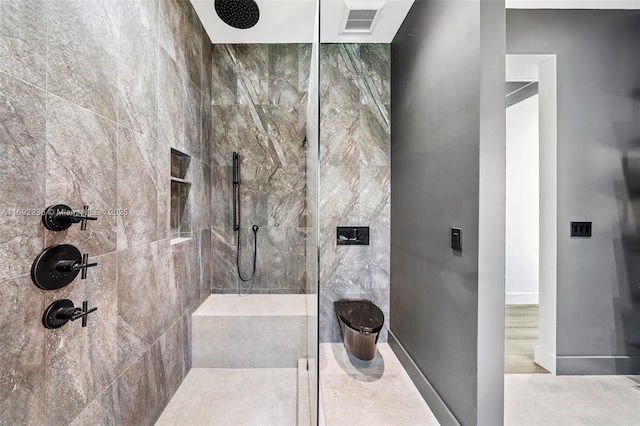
(360, 16)
(360, 20)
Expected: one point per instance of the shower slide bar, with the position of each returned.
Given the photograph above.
(236, 184)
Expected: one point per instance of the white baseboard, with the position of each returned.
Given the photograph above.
(545, 360)
(522, 298)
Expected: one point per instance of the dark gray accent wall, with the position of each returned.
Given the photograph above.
(598, 74)
(438, 130)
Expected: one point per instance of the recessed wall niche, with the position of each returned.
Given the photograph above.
(180, 187)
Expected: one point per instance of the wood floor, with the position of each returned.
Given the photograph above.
(521, 337)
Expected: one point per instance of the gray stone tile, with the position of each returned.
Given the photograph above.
(205, 262)
(172, 25)
(103, 67)
(80, 362)
(257, 160)
(137, 193)
(285, 196)
(338, 83)
(285, 127)
(207, 69)
(224, 134)
(373, 136)
(329, 331)
(191, 36)
(285, 267)
(173, 350)
(304, 70)
(206, 127)
(81, 170)
(193, 121)
(224, 86)
(223, 260)
(22, 407)
(144, 289)
(170, 104)
(23, 40)
(163, 162)
(375, 201)
(283, 74)
(138, 66)
(253, 71)
(376, 65)
(185, 272)
(200, 196)
(139, 391)
(22, 139)
(102, 411)
(354, 176)
(339, 128)
(84, 72)
(21, 362)
(340, 196)
(222, 196)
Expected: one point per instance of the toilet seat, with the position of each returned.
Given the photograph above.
(360, 315)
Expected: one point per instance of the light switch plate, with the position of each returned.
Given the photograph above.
(456, 239)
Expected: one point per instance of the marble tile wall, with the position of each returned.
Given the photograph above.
(93, 96)
(259, 106)
(354, 177)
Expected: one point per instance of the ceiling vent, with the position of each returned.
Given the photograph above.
(360, 17)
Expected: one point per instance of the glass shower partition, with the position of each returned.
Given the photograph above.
(312, 252)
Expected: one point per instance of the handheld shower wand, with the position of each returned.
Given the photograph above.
(236, 220)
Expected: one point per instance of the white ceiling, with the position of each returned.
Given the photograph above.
(572, 4)
(391, 16)
(292, 21)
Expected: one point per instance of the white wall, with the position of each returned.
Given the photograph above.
(522, 203)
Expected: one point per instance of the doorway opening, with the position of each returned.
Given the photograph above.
(531, 211)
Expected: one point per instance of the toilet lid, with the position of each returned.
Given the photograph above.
(360, 315)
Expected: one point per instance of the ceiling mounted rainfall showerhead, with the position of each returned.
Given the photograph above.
(240, 14)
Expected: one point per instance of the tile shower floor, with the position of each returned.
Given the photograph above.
(232, 396)
(352, 392)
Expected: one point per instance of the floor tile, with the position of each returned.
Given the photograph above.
(544, 399)
(218, 396)
(389, 400)
(377, 392)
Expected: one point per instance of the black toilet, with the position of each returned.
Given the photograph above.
(360, 324)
